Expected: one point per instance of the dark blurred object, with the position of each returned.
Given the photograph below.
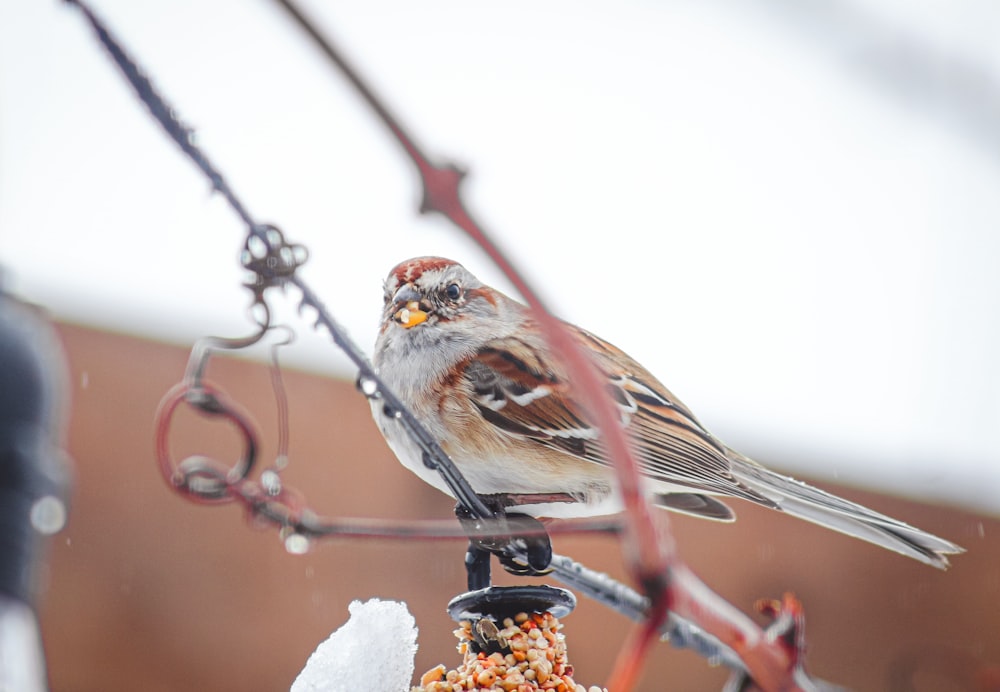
(32, 481)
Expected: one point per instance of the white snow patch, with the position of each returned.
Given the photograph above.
(373, 650)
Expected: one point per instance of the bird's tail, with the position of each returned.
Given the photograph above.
(812, 504)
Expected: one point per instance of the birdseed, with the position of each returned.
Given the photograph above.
(528, 653)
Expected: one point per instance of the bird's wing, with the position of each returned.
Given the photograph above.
(520, 389)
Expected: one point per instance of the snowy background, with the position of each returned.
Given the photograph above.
(788, 212)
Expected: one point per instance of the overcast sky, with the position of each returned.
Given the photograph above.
(790, 217)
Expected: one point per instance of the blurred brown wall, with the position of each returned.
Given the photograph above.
(147, 591)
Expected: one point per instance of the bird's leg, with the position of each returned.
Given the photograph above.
(532, 541)
(521, 543)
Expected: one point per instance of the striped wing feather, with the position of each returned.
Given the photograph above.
(528, 396)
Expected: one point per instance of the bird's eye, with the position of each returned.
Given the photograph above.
(453, 291)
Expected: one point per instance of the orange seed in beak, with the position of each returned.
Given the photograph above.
(411, 315)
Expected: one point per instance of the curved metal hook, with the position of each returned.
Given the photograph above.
(203, 348)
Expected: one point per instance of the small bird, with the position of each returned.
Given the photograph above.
(473, 367)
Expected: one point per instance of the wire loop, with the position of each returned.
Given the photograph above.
(202, 478)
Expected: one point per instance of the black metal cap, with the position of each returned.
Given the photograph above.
(499, 602)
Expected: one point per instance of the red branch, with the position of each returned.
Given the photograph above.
(651, 557)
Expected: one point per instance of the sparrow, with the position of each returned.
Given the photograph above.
(474, 368)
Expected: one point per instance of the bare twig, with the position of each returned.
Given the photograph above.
(652, 557)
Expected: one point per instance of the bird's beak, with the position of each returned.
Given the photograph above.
(411, 311)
